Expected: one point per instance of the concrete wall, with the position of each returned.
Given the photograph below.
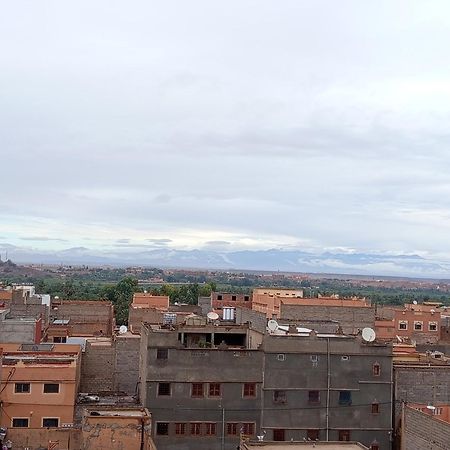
(126, 372)
(16, 330)
(257, 319)
(38, 438)
(351, 319)
(422, 432)
(97, 366)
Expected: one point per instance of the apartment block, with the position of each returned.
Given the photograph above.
(268, 300)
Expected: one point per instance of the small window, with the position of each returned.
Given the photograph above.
(163, 388)
(232, 428)
(162, 353)
(403, 325)
(376, 369)
(196, 429)
(281, 357)
(210, 429)
(278, 435)
(312, 435)
(375, 408)
(246, 298)
(180, 428)
(162, 428)
(51, 388)
(215, 390)
(20, 423)
(432, 326)
(233, 297)
(345, 358)
(344, 435)
(219, 297)
(437, 411)
(418, 325)
(59, 339)
(22, 388)
(249, 390)
(345, 398)
(197, 389)
(279, 396)
(314, 397)
(248, 429)
(50, 423)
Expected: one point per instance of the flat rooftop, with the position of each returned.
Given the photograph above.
(304, 445)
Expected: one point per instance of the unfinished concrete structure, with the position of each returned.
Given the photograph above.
(289, 385)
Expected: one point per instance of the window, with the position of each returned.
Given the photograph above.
(219, 297)
(314, 358)
(163, 388)
(50, 422)
(197, 389)
(59, 339)
(312, 435)
(432, 326)
(233, 297)
(403, 325)
(162, 353)
(162, 428)
(51, 388)
(437, 411)
(418, 325)
(232, 428)
(210, 429)
(180, 428)
(375, 408)
(344, 435)
(374, 446)
(214, 390)
(345, 397)
(249, 390)
(376, 369)
(278, 435)
(314, 397)
(196, 429)
(248, 429)
(246, 298)
(279, 396)
(20, 423)
(281, 357)
(22, 388)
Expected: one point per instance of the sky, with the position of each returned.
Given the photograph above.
(240, 125)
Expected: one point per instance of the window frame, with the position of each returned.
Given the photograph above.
(16, 391)
(375, 408)
(232, 428)
(162, 354)
(403, 322)
(251, 428)
(279, 396)
(180, 428)
(210, 428)
(159, 391)
(20, 418)
(420, 323)
(50, 384)
(213, 388)
(249, 390)
(194, 427)
(158, 424)
(313, 431)
(311, 397)
(200, 393)
(376, 369)
(341, 400)
(279, 433)
(344, 434)
(435, 324)
(50, 418)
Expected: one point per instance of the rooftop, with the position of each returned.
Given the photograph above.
(303, 445)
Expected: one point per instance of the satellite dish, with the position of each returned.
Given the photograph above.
(415, 302)
(123, 329)
(212, 315)
(368, 334)
(272, 325)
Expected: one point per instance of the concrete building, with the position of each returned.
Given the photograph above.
(291, 385)
(39, 384)
(219, 300)
(352, 314)
(268, 300)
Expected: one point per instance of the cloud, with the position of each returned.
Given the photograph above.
(123, 241)
(41, 239)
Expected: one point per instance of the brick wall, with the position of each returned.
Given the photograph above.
(256, 318)
(97, 366)
(126, 372)
(351, 319)
(422, 432)
(38, 438)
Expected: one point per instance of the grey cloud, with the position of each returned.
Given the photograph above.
(123, 241)
(41, 239)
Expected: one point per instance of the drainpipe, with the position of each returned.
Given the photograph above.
(223, 428)
(328, 392)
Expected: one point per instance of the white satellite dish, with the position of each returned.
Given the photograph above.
(272, 325)
(123, 329)
(212, 315)
(368, 334)
(415, 302)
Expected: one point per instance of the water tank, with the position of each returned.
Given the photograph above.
(228, 313)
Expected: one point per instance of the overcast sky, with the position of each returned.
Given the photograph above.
(311, 125)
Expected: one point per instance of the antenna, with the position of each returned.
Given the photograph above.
(123, 329)
(368, 334)
(212, 315)
(414, 302)
(272, 325)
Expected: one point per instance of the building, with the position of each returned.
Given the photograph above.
(147, 300)
(207, 384)
(352, 314)
(268, 300)
(252, 445)
(39, 385)
(219, 300)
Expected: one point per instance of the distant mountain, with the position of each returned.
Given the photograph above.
(270, 260)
